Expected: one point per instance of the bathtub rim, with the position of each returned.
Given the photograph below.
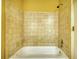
(62, 52)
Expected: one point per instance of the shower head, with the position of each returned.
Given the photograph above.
(59, 5)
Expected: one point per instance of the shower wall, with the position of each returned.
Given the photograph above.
(40, 28)
(65, 26)
(14, 25)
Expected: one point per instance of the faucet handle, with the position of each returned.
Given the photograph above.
(61, 43)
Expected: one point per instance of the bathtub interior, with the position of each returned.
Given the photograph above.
(39, 52)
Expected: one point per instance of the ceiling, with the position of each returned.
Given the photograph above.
(40, 5)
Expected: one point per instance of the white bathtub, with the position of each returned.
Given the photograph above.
(39, 52)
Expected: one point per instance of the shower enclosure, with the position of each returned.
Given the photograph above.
(36, 23)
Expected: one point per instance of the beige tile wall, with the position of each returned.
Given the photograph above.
(40, 28)
(14, 26)
(64, 26)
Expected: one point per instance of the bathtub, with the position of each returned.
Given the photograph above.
(39, 52)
